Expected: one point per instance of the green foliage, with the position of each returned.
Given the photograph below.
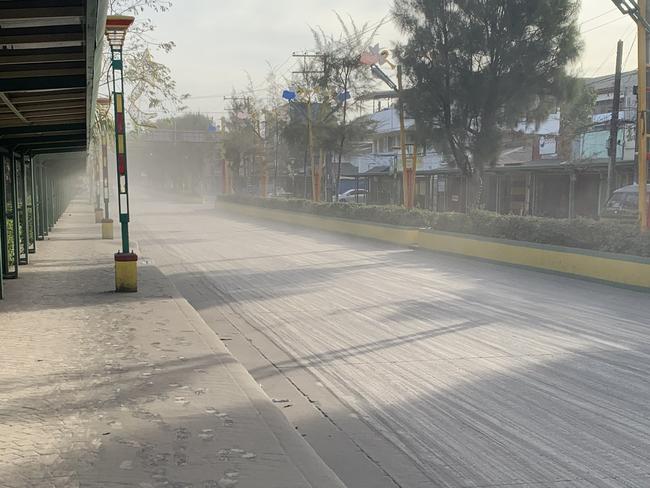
(477, 67)
(10, 239)
(343, 73)
(186, 122)
(10, 243)
(607, 236)
(576, 113)
(150, 86)
(242, 138)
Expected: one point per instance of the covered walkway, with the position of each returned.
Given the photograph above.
(50, 60)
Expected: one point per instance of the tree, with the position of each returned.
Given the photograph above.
(344, 74)
(151, 89)
(186, 122)
(241, 140)
(477, 67)
(179, 155)
(575, 114)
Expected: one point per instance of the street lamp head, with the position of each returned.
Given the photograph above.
(104, 103)
(116, 27)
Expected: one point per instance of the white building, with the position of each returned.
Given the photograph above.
(383, 149)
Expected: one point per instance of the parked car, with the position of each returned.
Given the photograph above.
(624, 203)
(354, 196)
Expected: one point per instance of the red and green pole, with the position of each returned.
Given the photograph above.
(126, 274)
(117, 64)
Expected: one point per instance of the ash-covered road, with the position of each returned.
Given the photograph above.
(407, 368)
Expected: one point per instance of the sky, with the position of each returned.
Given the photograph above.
(219, 43)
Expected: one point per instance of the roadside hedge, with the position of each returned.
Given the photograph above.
(596, 235)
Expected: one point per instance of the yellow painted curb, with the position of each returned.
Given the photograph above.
(598, 266)
(611, 268)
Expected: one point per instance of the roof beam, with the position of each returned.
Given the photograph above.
(72, 119)
(47, 114)
(29, 10)
(80, 149)
(64, 145)
(42, 129)
(46, 97)
(42, 83)
(20, 57)
(47, 36)
(11, 106)
(47, 141)
(44, 70)
(26, 108)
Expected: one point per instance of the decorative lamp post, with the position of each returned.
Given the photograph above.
(97, 186)
(107, 222)
(126, 276)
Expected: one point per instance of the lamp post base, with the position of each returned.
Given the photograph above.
(126, 272)
(107, 229)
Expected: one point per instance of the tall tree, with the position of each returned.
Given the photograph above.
(344, 74)
(476, 67)
(575, 114)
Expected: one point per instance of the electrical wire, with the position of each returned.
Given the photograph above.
(608, 57)
(357, 36)
(618, 19)
(615, 9)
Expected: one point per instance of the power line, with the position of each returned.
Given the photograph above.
(255, 89)
(598, 16)
(603, 25)
(609, 54)
(627, 56)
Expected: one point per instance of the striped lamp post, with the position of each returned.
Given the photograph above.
(125, 261)
(107, 223)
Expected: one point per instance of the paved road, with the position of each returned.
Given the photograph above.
(462, 373)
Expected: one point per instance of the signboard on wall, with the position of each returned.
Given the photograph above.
(548, 147)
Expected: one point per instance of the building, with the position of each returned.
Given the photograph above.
(530, 178)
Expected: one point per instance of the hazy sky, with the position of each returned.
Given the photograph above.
(218, 41)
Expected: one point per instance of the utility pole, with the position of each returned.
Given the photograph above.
(613, 137)
(402, 140)
(639, 13)
(257, 128)
(315, 174)
(408, 179)
(277, 143)
(225, 177)
(642, 116)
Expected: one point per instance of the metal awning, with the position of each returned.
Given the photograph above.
(50, 55)
(557, 167)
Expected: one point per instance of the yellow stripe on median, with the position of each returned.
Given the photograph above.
(620, 270)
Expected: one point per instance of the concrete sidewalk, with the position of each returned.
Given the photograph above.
(106, 390)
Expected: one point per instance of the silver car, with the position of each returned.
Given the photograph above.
(354, 196)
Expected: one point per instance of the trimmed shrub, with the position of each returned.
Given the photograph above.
(10, 243)
(597, 235)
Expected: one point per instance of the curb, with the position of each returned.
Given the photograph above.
(595, 266)
(300, 453)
